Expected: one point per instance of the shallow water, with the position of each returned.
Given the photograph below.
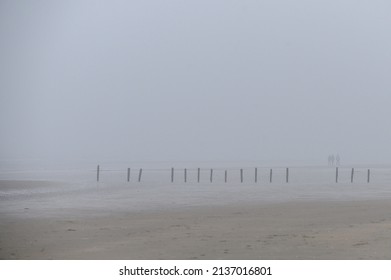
(76, 192)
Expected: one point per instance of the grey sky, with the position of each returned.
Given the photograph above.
(196, 80)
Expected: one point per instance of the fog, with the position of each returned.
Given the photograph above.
(196, 80)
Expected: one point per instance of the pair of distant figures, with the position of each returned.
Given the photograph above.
(334, 159)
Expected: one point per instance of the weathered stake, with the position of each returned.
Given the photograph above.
(139, 174)
(225, 176)
(128, 174)
(97, 173)
(351, 177)
(271, 175)
(336, 174)
(172, 175)
(369, 175)
(287, 175)
(256, 174)
(185, 175)
(198, 175)
(241, 175)
(211, 175)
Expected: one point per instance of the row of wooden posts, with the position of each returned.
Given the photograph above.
(226, 175)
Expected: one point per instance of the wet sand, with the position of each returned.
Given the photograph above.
(289, 230)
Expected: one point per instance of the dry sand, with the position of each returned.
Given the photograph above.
(290, 230)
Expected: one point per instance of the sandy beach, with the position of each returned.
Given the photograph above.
(33, 229)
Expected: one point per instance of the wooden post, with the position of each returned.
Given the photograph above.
(97, 173)
(225, 176)
(256, 174)
(172, 175)
(241, 175)
(128, 174)
(351, 178)
(198, 175)
(336, 174)
(139, 174)
(211, 175)
(271, 175)
(185, 175)
(287, 175)
(369, 175)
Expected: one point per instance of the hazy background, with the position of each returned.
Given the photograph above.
(196, 80)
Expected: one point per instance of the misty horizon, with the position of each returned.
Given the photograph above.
(219, 80)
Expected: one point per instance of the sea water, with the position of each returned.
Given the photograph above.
(62, 190)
